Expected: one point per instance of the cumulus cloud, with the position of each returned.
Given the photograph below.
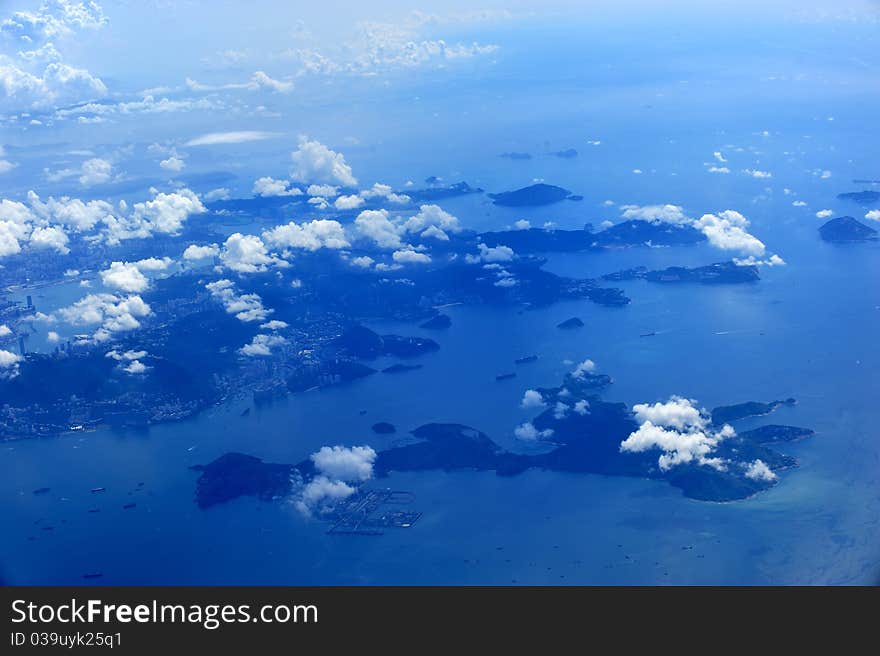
(432, 217)
(532, 399)
(9, 364)
(348, 202)
(773, 260)
(758, 470)
(313, 162)
(345, 463)
(322, 190)
(522, 224)
(656, 213)
(824, 214)
(756, 173)
(124, 276)
(377, 226)
(409, 256)
(135, 367)
(678, 429)
(311, 236)
(583, 368)
(498, 253)
(267, 186)
(727, 230)
(873, 215)
(528, 433)
(91, 172)
(174, 164)
(109, 312)
(245, 307)
(339, 471)
(262, 345)
(5, 331)
(129, 276)
(194, 252)
(247, 254)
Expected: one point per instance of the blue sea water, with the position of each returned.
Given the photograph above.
(807, 330)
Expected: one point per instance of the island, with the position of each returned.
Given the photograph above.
(233, 475)
(867, 197)
(400, 368)
(515, 156)
(437, 322)
(569, 324)
(846, 229)
(361, 342)
(720, 273)
(383, 428)
(531, 196)
(727, 413)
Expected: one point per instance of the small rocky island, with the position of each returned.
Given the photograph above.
(720, 273)
(571, 324)
(846, 229)
(867, 197)
(531, 196)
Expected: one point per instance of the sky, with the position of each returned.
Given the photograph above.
(110, 100)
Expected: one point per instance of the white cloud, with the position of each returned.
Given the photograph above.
(322, 190)
(432, 216)
(759, 471)
(727, 231)
(262, 345)
(498, 253)
(247, 254)
(719, 157)
(125, 356)
(9, 364)
(873, 215)
(348, 202)
(751, 260)
(528, 433)
(798, 203)
(584, 368)
(582, 407)
(52, 237)
(377, 226)
(532, 399)
(679, 430)
(522, 224)
(245, 307)
(135, 367)
(718, 169)
(225, 138)
(194, 252)
(409, 256)
(267, 186)
(5, 331)
(222, 193)
(678, 413)
(124, 276)
(312, 236)
(352, 464)
(824, 214)
(275, 324)
(174, 164)
(110, 313)
(756, 173)
(364, 261)
(657, 213)
(313, 162)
